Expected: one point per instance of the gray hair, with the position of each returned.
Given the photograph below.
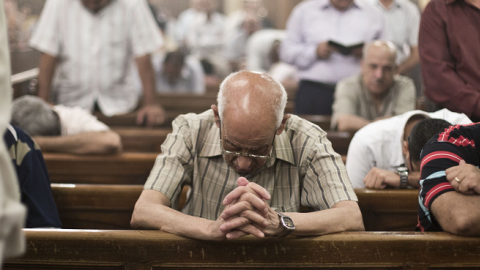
(277, 102)
(35, 116)
(391, 47)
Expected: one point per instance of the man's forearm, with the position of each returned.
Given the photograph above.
(344, 216)
(45, 75)
(458, 213)
(350, 122)
(410, 62)
(147, 76)
(153, 211)
(104, 142)
(413, 178)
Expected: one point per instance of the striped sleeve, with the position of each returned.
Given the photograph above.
(436, 158)
(326, 181)
(174, 166)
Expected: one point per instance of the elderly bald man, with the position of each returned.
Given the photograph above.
(250, 168)
(376, 93)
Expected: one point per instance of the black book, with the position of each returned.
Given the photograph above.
(343, 49)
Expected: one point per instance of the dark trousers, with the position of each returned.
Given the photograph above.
(314, 98)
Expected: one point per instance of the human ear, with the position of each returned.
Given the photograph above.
(282, 125)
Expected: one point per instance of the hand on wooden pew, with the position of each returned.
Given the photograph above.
(151, 115)
(249, 201)
(379, 178)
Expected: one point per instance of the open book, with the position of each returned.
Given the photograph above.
(344, 49)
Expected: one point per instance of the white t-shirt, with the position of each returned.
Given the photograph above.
(75, 120)
(379, 144)
(96, 52)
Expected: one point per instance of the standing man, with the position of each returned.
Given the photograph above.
(250, 167)
(88, 48)
(402, 20)
(375, 93)
(320, 65)
(448, 44)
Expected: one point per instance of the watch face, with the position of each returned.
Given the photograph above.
(288, 222)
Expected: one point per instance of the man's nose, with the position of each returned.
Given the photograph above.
(378, 73)
(244, 163)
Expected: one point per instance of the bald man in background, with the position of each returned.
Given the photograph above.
(376, 93)
(249, 166)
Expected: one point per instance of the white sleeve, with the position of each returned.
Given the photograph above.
(451, 117)
(414, 25)
(77, 120)
(47, 35)
(145, 34)
(359, 161)
(198, 76)
(12, 212)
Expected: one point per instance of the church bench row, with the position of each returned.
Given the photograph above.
(111, 206)
(136, 139)
(132, 250)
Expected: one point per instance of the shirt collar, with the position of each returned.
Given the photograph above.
(324, 4)
(282, 149)
(395, 4)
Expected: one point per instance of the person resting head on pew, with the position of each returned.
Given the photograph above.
(178, 73)
(450, 178)
(376, 155)
(33, 179)
(374, 94)
(250, 168)
(64, 129)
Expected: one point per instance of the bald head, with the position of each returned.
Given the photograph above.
(252, 97)
(381, 47)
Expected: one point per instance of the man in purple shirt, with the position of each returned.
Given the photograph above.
(321, 65)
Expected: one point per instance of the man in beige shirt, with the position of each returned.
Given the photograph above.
(376, 93)
(250, 167)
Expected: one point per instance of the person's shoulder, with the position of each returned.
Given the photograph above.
(402, 81)
(351, 81)
(300, 126)
(195, 121)
(409, 6)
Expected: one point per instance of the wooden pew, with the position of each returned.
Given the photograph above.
(80, 249)
(388, 209)
(137, 139)
(323, 121)
(111, 206)
(122, 169)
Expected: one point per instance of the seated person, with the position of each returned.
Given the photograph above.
(450, 178)
(236, 46)
(375, 93)
(178, 73)
(263, 55)
(33, 180)
(249, 165)
(63, 129)
(376, 154)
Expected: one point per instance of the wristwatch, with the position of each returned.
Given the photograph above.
(403, 173)
(287, 224)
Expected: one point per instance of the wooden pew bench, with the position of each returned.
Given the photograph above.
(111, 206)
(82, 249)
(122, 169)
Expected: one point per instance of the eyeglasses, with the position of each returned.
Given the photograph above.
(237, 154)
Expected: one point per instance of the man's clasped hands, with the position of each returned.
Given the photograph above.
(246, 212)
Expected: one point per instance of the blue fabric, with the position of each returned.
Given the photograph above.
(33, 180)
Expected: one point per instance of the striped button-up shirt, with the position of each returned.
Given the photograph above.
(303, 170)
(95, 52)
